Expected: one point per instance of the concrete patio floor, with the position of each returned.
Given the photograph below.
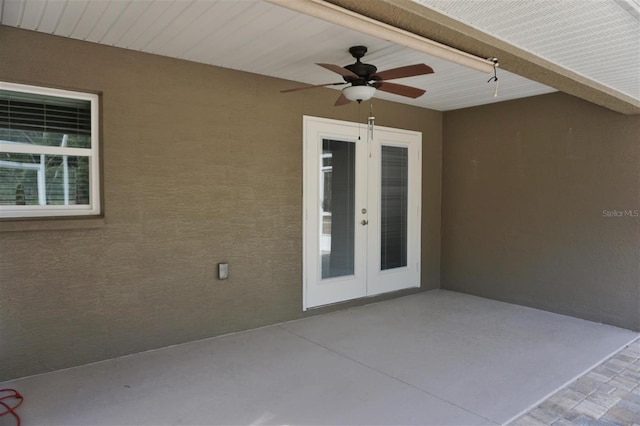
(440, 358)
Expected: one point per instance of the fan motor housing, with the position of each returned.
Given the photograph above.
(364, 71)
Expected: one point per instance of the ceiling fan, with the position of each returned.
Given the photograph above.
(363, 79)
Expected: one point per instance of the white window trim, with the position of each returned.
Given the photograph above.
(92, 153)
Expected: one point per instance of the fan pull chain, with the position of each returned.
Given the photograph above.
(495, 76)
(358, 120)
(371, 120)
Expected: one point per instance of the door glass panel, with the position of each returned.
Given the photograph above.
(393, 207)
(337, 207)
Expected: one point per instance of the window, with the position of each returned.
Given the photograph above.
(48, 152)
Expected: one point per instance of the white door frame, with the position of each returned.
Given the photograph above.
(367, 279)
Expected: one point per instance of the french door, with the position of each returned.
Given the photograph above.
(361, 220)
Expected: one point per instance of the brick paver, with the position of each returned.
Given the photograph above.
(608, 395)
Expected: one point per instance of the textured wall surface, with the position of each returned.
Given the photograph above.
(540, 207)
(200, 165)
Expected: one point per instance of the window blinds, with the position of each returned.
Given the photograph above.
(32, 112)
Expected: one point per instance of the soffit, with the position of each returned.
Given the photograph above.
(596, 39)
(472, 37)
(257, 37)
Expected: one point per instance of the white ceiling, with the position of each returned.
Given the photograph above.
(599, 39)
(258, 37)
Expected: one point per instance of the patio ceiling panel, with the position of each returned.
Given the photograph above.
(600, 42)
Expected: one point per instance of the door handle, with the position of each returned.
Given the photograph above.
(364, 222)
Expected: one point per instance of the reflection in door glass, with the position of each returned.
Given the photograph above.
(393, 204)
(337, 192)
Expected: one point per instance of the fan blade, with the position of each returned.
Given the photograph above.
(342, 100)
(339, 70)
(311, 87)
(400, 89)
(401, 72)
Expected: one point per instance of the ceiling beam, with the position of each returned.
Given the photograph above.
(412, 17)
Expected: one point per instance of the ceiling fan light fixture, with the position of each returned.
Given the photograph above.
(359, 93)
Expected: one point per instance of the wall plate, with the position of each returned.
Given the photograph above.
(223, 271)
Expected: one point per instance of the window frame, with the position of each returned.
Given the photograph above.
(93, 154)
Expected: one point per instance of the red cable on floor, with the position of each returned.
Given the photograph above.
(12, 394)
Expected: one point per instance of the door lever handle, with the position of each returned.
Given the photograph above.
(364, 222)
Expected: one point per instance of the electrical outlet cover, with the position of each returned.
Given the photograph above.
(223, 271)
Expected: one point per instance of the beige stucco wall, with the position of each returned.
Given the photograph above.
(530, 193)
(200, 165)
